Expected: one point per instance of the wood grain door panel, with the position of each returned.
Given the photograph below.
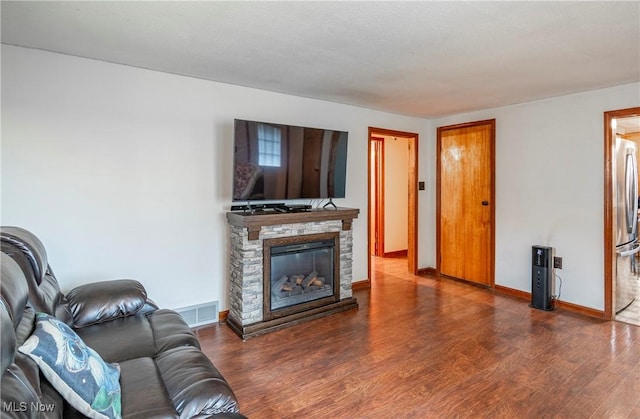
(466, 201)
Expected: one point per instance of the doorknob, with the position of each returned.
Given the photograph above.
(485, 203)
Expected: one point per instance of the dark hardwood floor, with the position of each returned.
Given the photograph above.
(421, 347)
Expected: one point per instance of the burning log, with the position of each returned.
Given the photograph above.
(294, 285)
(287, 286)
(298, 288)
(309, 279)
(278, 286)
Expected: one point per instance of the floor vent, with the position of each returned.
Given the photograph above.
(200, 314)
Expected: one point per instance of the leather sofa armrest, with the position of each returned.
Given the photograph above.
(196, 388)
(99, 302)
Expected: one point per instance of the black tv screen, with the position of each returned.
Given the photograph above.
(281, 162)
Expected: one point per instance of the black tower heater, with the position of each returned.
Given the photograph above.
(542, 280)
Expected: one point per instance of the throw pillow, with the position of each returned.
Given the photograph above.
(76, 371)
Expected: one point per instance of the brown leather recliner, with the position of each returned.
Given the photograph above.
(163, 373)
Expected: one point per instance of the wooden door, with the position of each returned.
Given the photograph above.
(465, 201)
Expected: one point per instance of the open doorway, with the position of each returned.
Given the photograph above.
(622, 259)
(392, 191)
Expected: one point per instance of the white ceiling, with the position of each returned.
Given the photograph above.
(415, 58)
(628, 125)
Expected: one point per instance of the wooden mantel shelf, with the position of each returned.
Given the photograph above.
(254, 222)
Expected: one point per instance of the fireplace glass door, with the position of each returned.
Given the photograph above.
(302, 274)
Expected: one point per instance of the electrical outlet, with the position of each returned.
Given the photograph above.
(557, 262)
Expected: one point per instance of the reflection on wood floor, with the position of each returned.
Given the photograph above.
(631, 314)
(423, 347)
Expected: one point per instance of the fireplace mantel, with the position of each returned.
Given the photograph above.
(253, 222)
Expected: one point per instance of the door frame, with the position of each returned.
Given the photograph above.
(609, 246)
(377, 171)
(492, 158)
(412, 241)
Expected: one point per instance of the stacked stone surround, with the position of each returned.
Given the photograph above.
(246, 265)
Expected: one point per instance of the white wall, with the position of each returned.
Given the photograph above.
(396, 190)
(125, 172)
(550, 187)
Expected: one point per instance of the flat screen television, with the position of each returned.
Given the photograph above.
(285, 162)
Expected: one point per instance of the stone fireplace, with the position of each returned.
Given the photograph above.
(286, 268)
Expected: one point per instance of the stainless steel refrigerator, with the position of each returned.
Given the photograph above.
(626, 207)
